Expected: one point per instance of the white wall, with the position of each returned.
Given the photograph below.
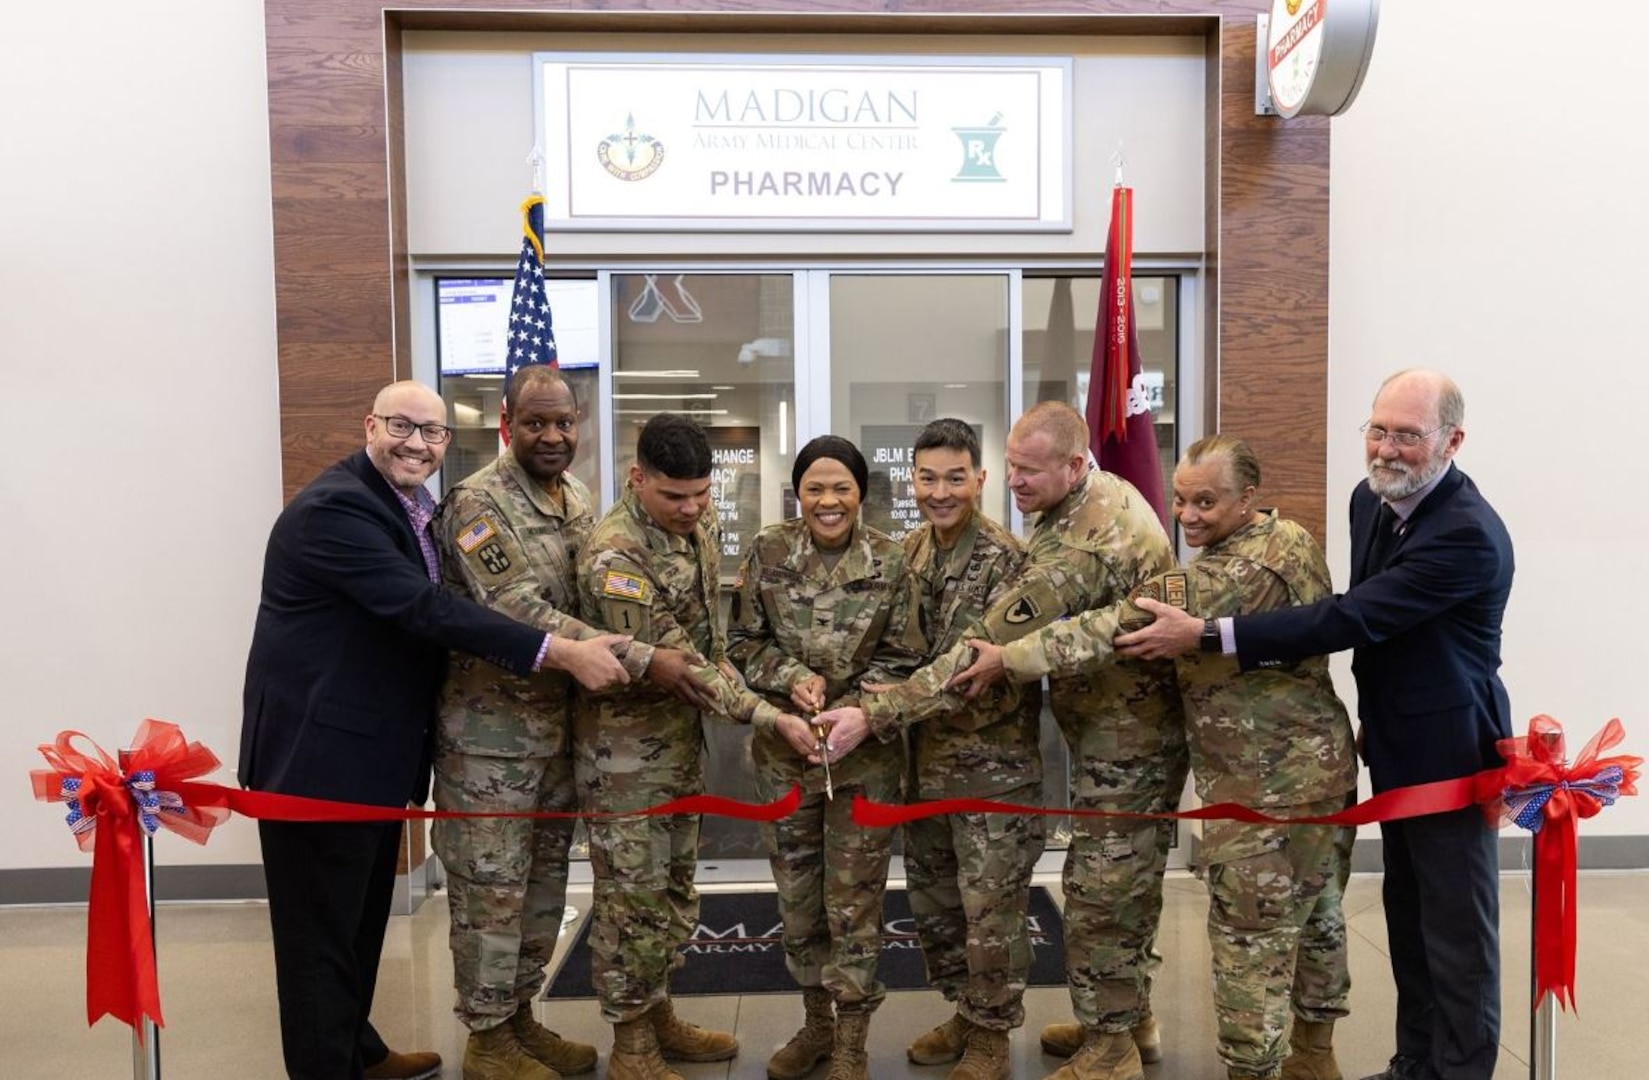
(1488, 219)
(137, 368)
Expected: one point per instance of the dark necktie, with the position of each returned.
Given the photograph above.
(1385, 537)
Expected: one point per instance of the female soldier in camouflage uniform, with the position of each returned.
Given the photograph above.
(822, 606)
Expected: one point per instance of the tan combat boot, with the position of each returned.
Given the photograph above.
(847, 1056)
(1312, 1056)
(986, 1056)
(1105, 1055)
(809, 1046)
(942, 1045)
(1063, 1040)
(635, 1053)
(495, 1054)
(563, 1055)
(680, 1041)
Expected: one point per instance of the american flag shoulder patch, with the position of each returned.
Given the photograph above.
(625, 586)
(475, 534)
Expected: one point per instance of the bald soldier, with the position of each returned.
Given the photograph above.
(1094, 539)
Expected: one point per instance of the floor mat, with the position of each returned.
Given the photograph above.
(737, 950)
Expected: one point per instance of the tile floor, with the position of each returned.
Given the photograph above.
(218, 992)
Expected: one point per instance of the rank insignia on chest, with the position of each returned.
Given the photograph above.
(475, 534)
(625, 586)
(493, 558)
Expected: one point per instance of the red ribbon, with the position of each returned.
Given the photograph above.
(120, 956)
(120, 961)
(1536, 773)
(121, 979)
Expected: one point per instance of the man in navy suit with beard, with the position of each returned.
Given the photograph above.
(347, 658)
(1431, 570)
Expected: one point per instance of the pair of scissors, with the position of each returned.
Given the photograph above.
(824, 753)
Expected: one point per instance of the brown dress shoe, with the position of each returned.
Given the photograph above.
(419, 1065)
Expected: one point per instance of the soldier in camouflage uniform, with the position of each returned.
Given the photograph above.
(1094, 540)
(651, 569)
(969, 874)
(823, 604)
(508, 536)
(1276, 739)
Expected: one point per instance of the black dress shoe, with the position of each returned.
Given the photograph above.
(1401, 1068)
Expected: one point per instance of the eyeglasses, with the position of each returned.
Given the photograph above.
(1408, 440)
(402, 428)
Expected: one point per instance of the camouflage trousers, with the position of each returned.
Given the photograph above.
(1266, 883)
(831, 875)
(645, 905)
(1113, 885)
(969, 877)
(506, 878)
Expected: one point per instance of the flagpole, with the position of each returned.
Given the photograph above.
(145, 1033)
(1543, 1030)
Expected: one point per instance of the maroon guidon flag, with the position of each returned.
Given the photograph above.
(1120, 427)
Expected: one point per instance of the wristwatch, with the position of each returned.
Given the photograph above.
(1210, 640)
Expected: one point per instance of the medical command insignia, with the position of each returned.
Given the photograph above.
(494, 559)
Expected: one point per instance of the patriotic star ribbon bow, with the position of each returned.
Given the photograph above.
(1539, 791)
(107, 807)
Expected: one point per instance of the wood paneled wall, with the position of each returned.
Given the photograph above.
(341, 274)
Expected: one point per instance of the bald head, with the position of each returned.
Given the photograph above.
(1448, 405)
(406, 461)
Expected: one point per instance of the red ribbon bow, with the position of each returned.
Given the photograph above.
(1540, 790)
(120, 956)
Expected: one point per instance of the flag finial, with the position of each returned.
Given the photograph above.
(1119, 159)
(535, 160)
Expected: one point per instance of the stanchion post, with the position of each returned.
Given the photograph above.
(146, 1036)
(1543, 1026)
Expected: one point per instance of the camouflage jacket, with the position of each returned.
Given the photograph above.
(1273, 736)
(506, 543)
(990, 746)
(795, 617)
(636, 578)
(1088, 552)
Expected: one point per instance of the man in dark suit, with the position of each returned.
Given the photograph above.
(1431, 570)
(347, 659)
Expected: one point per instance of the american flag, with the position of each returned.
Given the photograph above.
(531, 336)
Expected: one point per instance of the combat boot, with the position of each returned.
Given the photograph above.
(635, 1053)
(1063, 1040)
(680, 1041)
(1312, 1053)
(541, 1044)
(1105, 1055)
(495, 1054)
(942, 1045)
(847, 1056)
(986, 1056)
(809, 1046)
